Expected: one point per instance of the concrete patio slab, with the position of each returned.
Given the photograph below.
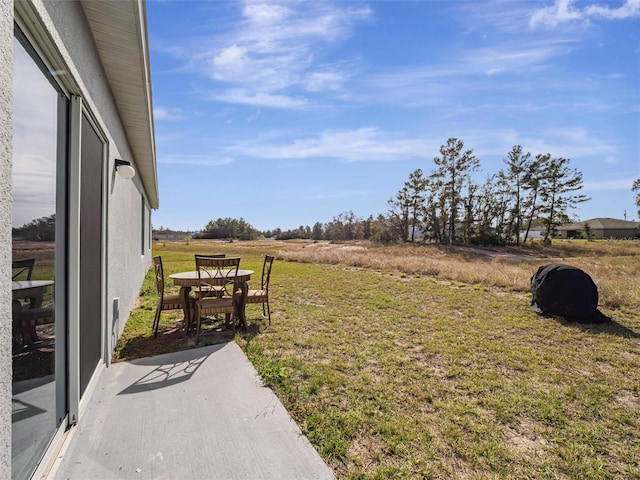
(195, 414)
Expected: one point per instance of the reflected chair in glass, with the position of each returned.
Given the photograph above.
(165, 302)
(22, 270)
(19, 267)
(262, 295)
(216, 271)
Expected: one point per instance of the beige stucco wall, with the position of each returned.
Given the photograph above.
(6, 130)
(612, 233)
(599, 233)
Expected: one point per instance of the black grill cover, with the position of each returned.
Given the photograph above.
(565, 291)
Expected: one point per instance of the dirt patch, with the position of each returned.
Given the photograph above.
(523, 438)
(628, 400)
(489, 254)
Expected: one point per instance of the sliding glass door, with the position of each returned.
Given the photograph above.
(90, 291)
(40, 117)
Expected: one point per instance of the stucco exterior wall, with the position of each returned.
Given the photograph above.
(6, 135)
(126, 263)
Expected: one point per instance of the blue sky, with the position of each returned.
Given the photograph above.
(287, 113)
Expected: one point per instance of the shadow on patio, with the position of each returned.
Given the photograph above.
(200, 413)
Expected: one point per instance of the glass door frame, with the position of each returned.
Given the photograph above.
(61, 359)
(78, 402)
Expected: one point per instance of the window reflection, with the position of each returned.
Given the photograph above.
(35, 140)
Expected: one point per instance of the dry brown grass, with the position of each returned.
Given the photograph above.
(614, 266)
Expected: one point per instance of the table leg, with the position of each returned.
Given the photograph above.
(35, 302)
(241, 304)
(21, 336)
(187, 311)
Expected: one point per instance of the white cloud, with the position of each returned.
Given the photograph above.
(258, 99)
(466, 73)
(564, 11)
(199, 160)
(373, 144)
(324, 81)
(34, 187)
(262, 13)
(574, 143)
(494, 71)
(630, 9)
(34, 141)
(232, 64)
(492, 16)
(364, 144)
(577, 144)
(515, 56)
(169, 114)
(254, 116)
(273, 49)
(622, 184)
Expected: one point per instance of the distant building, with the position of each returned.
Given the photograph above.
(159, 235)
(534, 232)
(600, 228)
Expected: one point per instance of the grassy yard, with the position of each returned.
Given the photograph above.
(425, 362)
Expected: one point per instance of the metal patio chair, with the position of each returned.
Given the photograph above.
(262, 295)
(212, 290)
(165, 302)
(19, 267)
(215, 271)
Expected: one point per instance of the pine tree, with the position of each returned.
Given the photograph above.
(636, 188)
(558, 183)
(454, 166)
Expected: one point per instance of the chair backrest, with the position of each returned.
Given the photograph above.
(266, 271)
(210, 255)
(157, 262)
(19, 267)
(214, 270)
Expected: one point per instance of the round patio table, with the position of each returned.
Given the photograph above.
(187, 280)
(32, 290)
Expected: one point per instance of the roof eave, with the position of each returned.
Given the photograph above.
(120, 33)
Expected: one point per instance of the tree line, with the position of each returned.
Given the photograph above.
(449, 206)
(41, 229)
(445, 206)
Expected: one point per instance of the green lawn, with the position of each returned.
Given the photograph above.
(392, 375)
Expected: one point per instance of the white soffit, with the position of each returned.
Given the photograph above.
(120, 32)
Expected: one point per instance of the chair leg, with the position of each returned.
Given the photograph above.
(156, 321)
(234, 319)
(198, 323)
(268, 311)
